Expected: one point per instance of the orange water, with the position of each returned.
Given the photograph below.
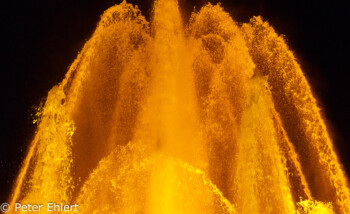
(156, 117)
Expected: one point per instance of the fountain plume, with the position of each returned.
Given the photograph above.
(155, 117)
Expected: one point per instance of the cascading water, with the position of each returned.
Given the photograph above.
(161, 118)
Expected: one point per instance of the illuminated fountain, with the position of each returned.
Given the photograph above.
(160, 118)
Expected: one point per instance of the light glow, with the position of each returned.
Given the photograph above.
(155, 117)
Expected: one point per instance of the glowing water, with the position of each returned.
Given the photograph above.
(158, 118)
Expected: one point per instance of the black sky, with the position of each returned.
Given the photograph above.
(41, 38)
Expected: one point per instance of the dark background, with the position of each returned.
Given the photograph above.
(41, 38)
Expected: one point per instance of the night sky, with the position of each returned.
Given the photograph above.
(41, 38)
